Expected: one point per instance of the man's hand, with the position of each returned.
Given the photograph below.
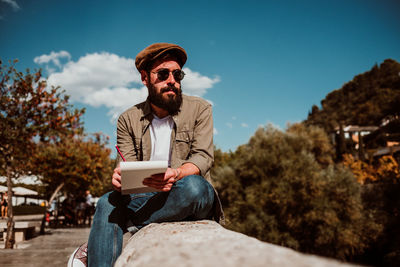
(162, 181)
(116, 179)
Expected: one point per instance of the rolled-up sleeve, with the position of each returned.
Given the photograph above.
(202, 148)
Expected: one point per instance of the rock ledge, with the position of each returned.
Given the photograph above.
(206, 243)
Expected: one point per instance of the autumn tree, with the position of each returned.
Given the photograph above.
(74, 164)
(29, 112)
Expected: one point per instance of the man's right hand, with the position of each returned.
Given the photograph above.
(116, 179)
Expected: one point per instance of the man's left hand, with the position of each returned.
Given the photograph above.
(162, 181)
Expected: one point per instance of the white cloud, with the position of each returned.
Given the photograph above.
(230, 125)
(117, 99)
(90, 79)
(244, 125)
(12, 3)
(234, 118)
(53, 57)
(105, 79)
(197, 84)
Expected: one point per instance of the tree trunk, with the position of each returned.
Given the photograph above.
(55, 193)
(341, 144)
(361, 152)
(10, 215)
(43, 224)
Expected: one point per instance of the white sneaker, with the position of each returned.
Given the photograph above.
(79, 257)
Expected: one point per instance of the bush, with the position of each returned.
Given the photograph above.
(283, 188)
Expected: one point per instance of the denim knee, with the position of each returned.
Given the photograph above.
(103, 203)
(196, 188)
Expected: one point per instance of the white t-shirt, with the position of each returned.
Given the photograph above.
(160, 132)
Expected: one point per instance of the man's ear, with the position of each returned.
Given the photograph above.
(144, 77)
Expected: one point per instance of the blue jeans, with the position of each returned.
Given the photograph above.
(190, 198)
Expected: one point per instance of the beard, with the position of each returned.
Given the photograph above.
(170, 103)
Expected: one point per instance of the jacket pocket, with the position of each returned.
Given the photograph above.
(183, 143)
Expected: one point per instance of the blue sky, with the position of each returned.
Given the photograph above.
(257, 62)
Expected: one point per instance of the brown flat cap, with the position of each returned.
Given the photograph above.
(154, 51)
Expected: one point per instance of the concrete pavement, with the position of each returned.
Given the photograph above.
(51, 249)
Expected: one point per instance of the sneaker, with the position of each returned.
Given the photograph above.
(79, 257)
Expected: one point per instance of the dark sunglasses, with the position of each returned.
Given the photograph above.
(163, 74)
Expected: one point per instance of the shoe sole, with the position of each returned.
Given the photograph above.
(71, 258)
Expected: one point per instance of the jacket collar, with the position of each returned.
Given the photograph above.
(147, 109)
(148, 114)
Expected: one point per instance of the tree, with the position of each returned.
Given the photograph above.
(371, 98)
(283, 187)
(29, 112)
(74, 164)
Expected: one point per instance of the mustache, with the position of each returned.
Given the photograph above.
(170, 88)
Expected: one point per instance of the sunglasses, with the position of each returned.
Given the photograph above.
(163, 74)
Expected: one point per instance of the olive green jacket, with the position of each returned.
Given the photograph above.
(191, 138)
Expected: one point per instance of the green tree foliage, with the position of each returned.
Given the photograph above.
(383, 201)
(29, 112)
(366, 100)
(220, 158)
(371, 98)
(283, 188)
(77, 164)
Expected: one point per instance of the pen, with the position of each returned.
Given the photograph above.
(119, 152)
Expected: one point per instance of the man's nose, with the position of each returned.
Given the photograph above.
(171, 78)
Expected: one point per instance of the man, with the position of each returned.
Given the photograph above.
(167, 126)
(4, 205)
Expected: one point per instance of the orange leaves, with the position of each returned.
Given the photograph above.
(361, 170)
(78, 161)
(386, 168)
(30, 112)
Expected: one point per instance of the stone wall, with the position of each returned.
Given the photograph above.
(206, 243)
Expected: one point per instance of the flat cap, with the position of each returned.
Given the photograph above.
(154, 51)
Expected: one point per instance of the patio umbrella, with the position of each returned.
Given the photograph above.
(3, 189)
(22, 191)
